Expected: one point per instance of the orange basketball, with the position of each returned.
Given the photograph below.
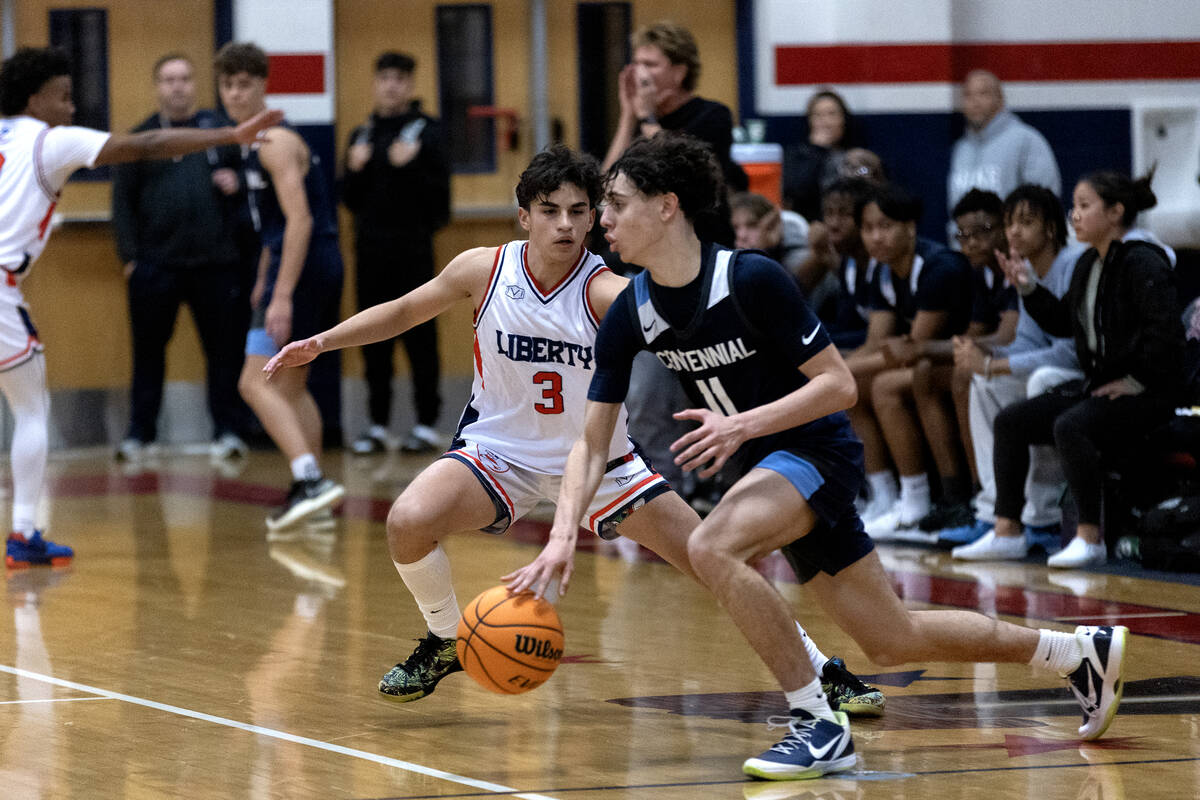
(508, 644)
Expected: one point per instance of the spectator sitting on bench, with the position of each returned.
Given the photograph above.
(1122, 310)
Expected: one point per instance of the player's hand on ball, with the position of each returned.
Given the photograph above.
(294, 354)
(712, 443)
(556, 558)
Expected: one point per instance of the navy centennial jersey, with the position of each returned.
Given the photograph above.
(264, 205)
(735, 337)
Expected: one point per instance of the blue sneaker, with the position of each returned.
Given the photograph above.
(811, 748)
(964, 534)
(24, 552)
(1047, 537)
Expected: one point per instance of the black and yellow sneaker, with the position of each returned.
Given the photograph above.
(849, 694)
(434, 659)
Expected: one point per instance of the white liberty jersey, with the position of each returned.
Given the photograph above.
(35, 162)
(534, 360)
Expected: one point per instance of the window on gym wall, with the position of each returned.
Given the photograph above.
(83, 34)
(465, 78)
(603, 33)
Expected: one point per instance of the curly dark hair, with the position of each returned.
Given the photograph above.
(24, 75)
(1043, 203)
(674, 162)
(555, 166)
(238, 57)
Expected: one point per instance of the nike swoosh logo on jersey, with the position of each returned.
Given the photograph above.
(647, 328)
(806, 339)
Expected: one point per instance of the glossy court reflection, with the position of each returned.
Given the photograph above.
(186, 655)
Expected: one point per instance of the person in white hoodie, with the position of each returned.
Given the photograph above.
(998, 152)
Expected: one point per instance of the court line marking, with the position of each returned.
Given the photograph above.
(51, 700)
(1070, 701)
(407, 766)
(856, 775)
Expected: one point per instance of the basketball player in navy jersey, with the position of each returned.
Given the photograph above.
(299, 283)
(538, 304)
(770, 391)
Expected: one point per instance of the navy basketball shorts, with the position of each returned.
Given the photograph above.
(829, 481)
(316, 301)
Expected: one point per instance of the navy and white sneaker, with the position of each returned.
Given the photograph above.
(1099, 680)
(811, 748)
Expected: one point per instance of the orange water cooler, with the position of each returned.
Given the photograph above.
(763, 163)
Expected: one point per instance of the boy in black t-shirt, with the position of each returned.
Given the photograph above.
(941, 404)
(920, 293)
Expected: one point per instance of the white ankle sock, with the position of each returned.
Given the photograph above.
(883, 485)
(914, 497)
(430, 584)
(811, 699)
(304, 468)
(815, 655)
(24, 519)
(1057, 652)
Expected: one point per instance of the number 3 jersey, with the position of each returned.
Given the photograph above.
(534, 361)
(735, 336)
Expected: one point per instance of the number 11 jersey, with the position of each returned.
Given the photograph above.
(735, 337)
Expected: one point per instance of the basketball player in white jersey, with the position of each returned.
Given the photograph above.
(538, 305)
(39, 149)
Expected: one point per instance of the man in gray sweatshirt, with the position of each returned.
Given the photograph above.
(998, 152)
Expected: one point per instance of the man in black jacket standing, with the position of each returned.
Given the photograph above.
(397, 184)
(173, 221)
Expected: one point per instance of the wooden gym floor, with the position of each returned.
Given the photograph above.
(184, 655)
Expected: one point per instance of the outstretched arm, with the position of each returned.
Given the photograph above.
(167, 143)
(464, 277)
(585, 468)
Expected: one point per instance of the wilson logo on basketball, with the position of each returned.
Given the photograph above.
(540, 648)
